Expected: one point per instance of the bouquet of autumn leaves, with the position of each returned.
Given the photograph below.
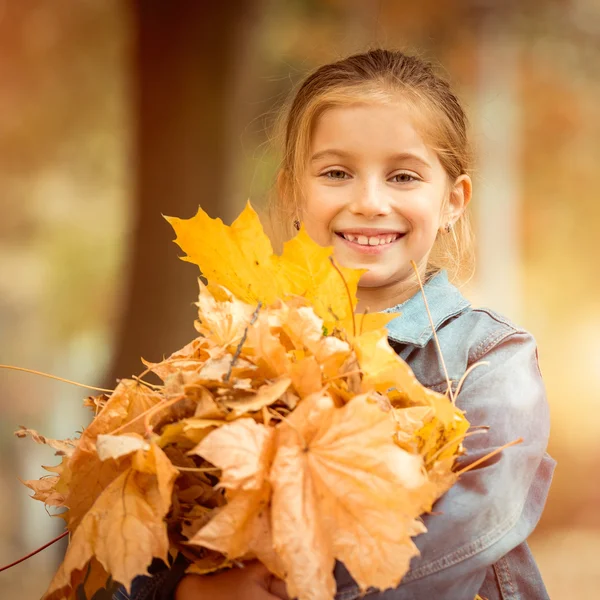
(288, 431)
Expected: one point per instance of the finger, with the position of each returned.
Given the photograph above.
(279, 589)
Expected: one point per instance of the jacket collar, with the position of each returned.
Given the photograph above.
(412, 326)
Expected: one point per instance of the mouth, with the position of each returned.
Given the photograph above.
(371, 238)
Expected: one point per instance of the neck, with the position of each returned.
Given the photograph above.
(375, 299)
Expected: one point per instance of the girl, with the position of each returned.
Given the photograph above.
(376, 164)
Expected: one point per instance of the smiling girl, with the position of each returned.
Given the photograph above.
(376, 164)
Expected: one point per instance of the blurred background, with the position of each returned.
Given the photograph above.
(113, 112)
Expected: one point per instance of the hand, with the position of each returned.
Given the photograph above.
(252, 582)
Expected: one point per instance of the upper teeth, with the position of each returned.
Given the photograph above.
(373, 240)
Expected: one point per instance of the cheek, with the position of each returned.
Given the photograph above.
(424, 215)
(320, 209)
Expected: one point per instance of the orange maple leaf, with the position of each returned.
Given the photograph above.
(125, 529)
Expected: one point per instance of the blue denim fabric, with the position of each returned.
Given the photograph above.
(476, 540)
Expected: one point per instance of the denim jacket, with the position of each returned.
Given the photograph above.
(476, 538)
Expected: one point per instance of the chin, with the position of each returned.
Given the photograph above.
(373, 279)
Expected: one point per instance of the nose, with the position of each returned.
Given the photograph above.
(370, 200)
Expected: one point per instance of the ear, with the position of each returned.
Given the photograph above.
(460, 196)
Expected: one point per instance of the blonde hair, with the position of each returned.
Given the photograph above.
(378, 76)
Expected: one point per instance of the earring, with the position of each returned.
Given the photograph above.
(297, 224)
(448, 227)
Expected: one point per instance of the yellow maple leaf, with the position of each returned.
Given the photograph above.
(240, 258)
(434, 425)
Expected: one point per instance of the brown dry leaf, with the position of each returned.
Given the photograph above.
(116, 446)
(305, 329)
(187, 431)
(409, 421)
(189, 358)
(223, 322)
(84, 476)
(62, 447)
(306, 376)
(45, 490)
(195, 519)
(125, 528)
(243, 450)
(193, 494)
(269, 354)
(343, 489)
(83, 479)
(129, 400)
(206, 407)
(214, 370)
(95, 578)
(210, 562)
(96, 403)
(264, 396)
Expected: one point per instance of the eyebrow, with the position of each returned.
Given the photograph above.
(332, 153)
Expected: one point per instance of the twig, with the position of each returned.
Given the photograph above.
(147, 413)
(437, 341)
(83, 385)
(154, 386)
(462, 379)
(488, 456)
(56, 539)
(197, 469)
(455, 439)
(238, 350)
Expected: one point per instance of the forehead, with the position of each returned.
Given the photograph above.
(370, 129)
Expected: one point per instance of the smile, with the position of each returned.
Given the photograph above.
(370, 244)
(371, 240)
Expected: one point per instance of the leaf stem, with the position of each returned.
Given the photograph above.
(290, 424)
(362, 320)
(347, 292)
(24, 558)
(83, 385)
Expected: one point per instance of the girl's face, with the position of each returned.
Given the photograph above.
(375, 191)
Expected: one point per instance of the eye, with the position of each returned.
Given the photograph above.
(335, 174)
(403, 178)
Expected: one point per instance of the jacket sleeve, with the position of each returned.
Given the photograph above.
(494, 507)
(159, 585)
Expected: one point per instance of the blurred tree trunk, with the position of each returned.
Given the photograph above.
(184, 96)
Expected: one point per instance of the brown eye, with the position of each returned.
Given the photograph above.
(403, 178)
(335, 174)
